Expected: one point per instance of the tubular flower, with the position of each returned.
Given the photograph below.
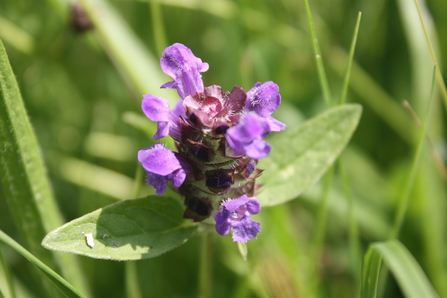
(219, 138)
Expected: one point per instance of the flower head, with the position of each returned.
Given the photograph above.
(219, 137)
(235, 215)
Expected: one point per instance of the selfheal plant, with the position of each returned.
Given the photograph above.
(219, 138)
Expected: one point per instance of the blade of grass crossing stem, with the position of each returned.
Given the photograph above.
(344, 91)
(405, 198)
(7, 275)
(65, 287)
(320, 67)
(433, 56)
(25, 183)
(405, 269)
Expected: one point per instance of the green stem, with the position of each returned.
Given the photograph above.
(206, 260)
(132, 287)
(354, 241)
(318, 240)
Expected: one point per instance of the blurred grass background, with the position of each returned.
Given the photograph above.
(84, 106)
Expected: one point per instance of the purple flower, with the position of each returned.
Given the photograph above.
(162, 165)
(246, 137)
(157, 109)
(180, 63)
(263, 99)
(235, 214)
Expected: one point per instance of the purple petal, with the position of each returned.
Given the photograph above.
(158, 182)
(234, 204)
(180, 63)
(263, 99)
(258, 149)
(253, 206)
(235, 214)
(178, 177)
(246, 137)
(246, 229)
(248, 128)
(222, 224)
(155, 108)
(162, 130)
(275, 125)
(158, 160)
(179, 110)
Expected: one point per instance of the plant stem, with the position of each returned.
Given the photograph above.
(205, 270)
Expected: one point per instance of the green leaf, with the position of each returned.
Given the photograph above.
(23, 176)
(127, 230)
(407, 272)
(66, 288)
(300, 156)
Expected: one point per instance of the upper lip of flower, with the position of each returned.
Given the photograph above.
(180, 63)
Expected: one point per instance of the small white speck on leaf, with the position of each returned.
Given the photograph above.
(89, 239)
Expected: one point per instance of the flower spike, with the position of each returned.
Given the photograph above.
(219, 137)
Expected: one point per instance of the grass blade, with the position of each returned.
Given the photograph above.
(370, 273)
(65, 287)
(25, 183)
(405, 269)
(344, 91)
(321, 72)
(441, 82)
(410, 276)
(405, 198)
